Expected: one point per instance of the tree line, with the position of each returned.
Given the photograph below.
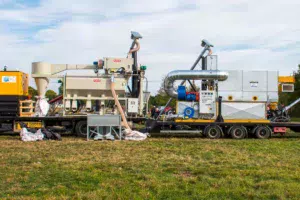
(50, 94)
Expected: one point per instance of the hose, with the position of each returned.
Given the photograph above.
(138, 46)
(112, 87)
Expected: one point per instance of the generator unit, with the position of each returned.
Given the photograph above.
(13, 89)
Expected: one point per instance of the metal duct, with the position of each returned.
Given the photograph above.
(191, 75)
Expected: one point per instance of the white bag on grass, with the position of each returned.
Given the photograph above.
(134, 135)
(27, 136)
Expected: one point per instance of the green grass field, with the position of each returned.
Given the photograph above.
(158, 168)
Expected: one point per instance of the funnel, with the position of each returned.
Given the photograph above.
(41, 71)
(42, 85)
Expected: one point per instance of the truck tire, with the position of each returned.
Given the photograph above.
(81, 129)
(238, 132)
(213, 132)
(263, 132)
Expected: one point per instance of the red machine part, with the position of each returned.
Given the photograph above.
(281, 130)
(196, 94)
(58, 98)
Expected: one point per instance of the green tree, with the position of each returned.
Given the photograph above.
(50, 94)
(32, 92)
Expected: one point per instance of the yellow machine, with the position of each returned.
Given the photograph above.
(13, 83)
(13, 89)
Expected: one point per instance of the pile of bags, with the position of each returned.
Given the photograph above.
(29, 134)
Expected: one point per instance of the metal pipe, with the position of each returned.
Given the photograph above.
(135, 87)
(141, 93)
(194, 75)
(207, 46)
(192, 86)
(112, 87)
(291, 105)
(132, 50)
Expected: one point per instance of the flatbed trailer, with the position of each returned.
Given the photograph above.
(237, 129)
(73, 124)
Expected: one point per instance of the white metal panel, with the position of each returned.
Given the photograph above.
(116, 63)
(236, 95)
(238, 110)
(233, 83)
(133, 105)
(249, 96)
(93, 86)
(272, 81)
(255, 81)
(94, 83)
(244, 85)
(273, 96)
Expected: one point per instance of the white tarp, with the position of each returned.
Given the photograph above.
(134, 135)
(27, 136)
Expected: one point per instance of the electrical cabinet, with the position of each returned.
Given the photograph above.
(133, 105)
(207, 102)
(13, 83)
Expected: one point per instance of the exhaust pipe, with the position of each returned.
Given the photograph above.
(191, 75)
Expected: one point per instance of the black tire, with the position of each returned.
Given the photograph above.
(213, 132)
(238, 132)
(81, 129)
(263, 132)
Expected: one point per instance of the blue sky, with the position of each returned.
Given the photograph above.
(256, 34)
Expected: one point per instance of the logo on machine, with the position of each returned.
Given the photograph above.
(254, 83)
(9, 79)
(117, 60)
(97, 80)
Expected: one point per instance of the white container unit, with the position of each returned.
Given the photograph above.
(240, 110)
(250, 86)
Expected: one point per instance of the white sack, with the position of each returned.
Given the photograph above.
(27, 136)
(41, 107)
(134, 135)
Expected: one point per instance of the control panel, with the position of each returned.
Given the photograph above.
(133, 105)
(207, 103)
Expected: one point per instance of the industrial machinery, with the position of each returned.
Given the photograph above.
(113, 81)
(228, 102)
(86, 94)
(13, 89)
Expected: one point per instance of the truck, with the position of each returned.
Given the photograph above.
(217, 103)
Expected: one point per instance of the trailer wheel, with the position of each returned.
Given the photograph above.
(238, 132)
(263, 132)
(81, 128)
(213, 132)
